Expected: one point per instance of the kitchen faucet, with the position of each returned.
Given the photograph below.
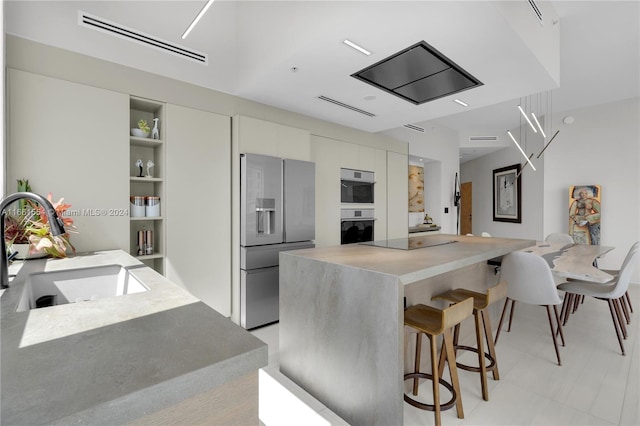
(57, 227)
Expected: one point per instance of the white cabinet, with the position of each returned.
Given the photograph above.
(71, 140)
(198, 208)
(264, 137)
(397, 195)
(146, 184)
(323, 152)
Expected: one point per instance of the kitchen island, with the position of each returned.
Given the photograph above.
(157, 355)
(342, 337)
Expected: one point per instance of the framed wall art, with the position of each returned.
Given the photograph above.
(416, 189)
(506, 194)
(584, 214)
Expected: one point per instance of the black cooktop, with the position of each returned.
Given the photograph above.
(408, 243)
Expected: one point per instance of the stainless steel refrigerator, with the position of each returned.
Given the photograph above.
(277, 214)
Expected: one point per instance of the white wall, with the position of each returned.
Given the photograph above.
(601, 147)
(439, 144)
(480, 173)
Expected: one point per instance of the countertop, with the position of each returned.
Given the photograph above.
(113, 360)
(414, 265)
(423, 228)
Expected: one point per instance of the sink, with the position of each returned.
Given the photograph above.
(44, 289)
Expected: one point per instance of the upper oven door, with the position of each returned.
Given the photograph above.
(356, 186)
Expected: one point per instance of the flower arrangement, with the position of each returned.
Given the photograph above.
(30, 225)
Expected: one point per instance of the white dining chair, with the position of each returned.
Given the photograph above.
(612, 292)
(529, 280)
(559, 237)
(626, 302)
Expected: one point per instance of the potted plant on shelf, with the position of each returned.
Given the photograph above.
(28, 232)
(142, 131)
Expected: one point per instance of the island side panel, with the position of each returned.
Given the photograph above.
(341, 338)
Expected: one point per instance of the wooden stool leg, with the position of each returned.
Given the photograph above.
(486, 320)
(482, 364)
(456, 335)
(416, 361)
(436, 379)
(453, 371)
(504, 311)
(443, 358)
(513, 308)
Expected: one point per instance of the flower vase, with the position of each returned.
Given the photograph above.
(23, 252)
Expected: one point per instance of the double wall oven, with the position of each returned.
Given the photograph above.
(357, 218)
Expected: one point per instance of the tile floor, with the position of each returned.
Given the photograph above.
(595, 385)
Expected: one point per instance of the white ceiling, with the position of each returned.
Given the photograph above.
(252, 46)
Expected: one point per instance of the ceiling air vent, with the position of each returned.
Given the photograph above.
(536, 10)
(483, 138)
(343, 105)
(414, 128)
(102, 25)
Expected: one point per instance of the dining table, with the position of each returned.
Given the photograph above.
(573, 261)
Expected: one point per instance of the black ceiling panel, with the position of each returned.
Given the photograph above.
(418, 74)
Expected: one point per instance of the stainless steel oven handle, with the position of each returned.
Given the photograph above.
(357, 219)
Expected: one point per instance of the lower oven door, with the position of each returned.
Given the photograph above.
(356, 230)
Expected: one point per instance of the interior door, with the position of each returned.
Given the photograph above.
(466, 209)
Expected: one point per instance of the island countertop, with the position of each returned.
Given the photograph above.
(440, 253)
(114, 360)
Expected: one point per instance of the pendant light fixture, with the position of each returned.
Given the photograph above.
(543, 108)
(524, 114)
(197, 18)
(538, 123)
(521, 150)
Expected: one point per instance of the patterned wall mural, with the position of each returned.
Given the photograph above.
(416, 189)
(584, 214)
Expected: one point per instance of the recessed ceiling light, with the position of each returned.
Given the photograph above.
(358, 48)
(195, 21)
(458, 101)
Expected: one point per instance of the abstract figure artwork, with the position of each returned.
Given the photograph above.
(416, 189)
(506, 194)
(584, 214)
